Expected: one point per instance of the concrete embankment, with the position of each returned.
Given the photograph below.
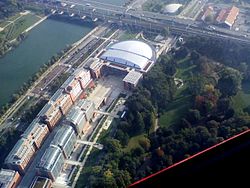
(35, 24)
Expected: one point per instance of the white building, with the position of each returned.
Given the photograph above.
(130, 54)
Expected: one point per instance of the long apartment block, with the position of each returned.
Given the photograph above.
(21, 155)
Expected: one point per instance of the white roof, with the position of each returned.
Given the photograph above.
(132, 77)
(172, 8)
(130, 53)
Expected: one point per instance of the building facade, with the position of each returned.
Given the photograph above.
(9, 178)
(21, 155)
(36, 133)
(72, 87)
(83, 76)
(62, 101)
(50, 114)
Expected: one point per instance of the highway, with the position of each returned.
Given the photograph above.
(129, 15)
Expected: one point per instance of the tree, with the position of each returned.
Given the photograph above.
(122, 136)
(195, 56)
(149, 120)
(112, 145)
(145, 143)
(181, 53)
(123, 178)
(138, 151)
(195, 85)
(194, 115)
(223, 104)
(159, 152)
(229, 83)
(138, 123)
(202, 135)
(170, 68)
(125, 127)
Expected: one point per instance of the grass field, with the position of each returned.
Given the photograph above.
(177, 109)
(134, 142)
(127, 36)
(5, 22)
(13, 30)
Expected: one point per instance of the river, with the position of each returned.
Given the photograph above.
(44, 41)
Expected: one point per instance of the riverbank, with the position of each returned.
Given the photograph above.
(14, 30)
(43, 43)
(35, 24)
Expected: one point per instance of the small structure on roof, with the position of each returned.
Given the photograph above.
(132, 79)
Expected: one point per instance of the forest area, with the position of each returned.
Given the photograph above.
(212, 80)
(9, 8)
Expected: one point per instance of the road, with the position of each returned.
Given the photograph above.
(124, 15)
(43, 81)
(29, 175)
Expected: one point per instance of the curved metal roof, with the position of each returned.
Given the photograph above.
(172, 8)
(132, 53)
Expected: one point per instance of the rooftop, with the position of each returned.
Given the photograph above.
(228, 16)
(46, 110)
(63, 135)
(34, 130)
(20, 151)
(50, 157)
(68, 82)
(172, 8)
(6, 177)
(81, 72)
(133, 77)
(131, 53)
(76, 115)
(40, 182)
(58, 94)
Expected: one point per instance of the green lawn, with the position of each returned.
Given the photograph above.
(242, 99)
(14, 30)
(134, 142)
(177, 109)
(127, 36)
(22, 24)
(184, 68)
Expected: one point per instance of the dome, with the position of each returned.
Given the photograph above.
(172, 8)
(131, 53)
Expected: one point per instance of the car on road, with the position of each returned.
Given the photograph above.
(210, 27)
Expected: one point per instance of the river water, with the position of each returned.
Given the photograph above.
(44, 41)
